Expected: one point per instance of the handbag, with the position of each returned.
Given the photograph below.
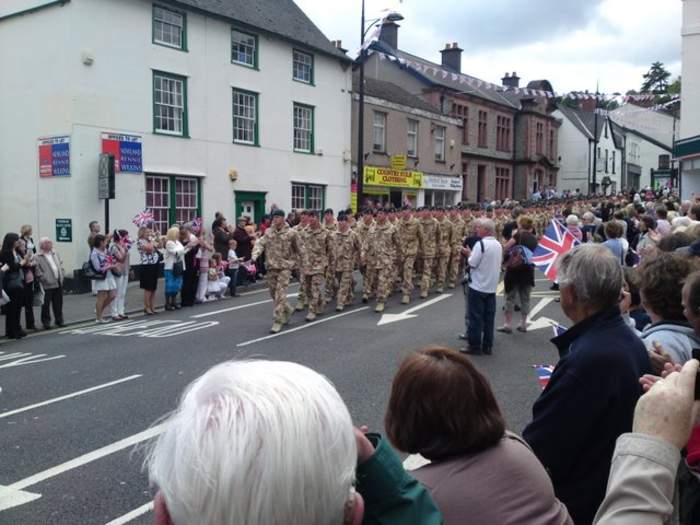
(178, 269)
(4, 298)
(90, 273)
(14, 280)
(39, 295)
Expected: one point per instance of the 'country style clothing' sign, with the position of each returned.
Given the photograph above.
(442, 182)
(127, 151)
(54, 157)
(375, 176)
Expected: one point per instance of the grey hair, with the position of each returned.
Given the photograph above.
(589, 216)
(43, 241)
(572, 220)
(594, 272)
(486, 224)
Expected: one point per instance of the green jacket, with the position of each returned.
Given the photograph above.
(391, 495)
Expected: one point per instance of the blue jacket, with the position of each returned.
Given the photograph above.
(587, 404)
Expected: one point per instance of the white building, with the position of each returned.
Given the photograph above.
(585, 155)
(688, 147)
(213, 106)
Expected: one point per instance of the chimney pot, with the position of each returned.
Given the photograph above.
(452, 57)
(390, 34)
(511, 81)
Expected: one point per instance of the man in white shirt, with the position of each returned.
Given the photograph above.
(485, 270)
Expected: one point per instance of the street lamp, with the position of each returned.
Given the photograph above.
(390, 17)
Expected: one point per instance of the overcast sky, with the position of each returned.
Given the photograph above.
(572, 43)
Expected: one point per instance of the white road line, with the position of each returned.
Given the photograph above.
(68, 396)
(239, 307)
(130, 516)
(308, 325)
(539, 306)
(87, 458)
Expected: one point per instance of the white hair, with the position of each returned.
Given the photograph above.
(572, 220)
(678, 222)
(256, 442)
(43, 241)
(486, 224)
(594, 272)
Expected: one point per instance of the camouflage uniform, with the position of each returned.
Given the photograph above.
(302, 298)
(429, 227)
(367, 267)
(314, 264)
(331, 282)
(411, 239)
(380, 248)
(345, 249)
(281, 248)
(459, 228)
(444, 251)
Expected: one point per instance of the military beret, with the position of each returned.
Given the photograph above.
(342, 216)
(328, 210)
(278, 213)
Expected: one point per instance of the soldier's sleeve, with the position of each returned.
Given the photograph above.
(259, 247)
(421, 239)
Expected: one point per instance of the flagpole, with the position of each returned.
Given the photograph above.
(359, 185)
(595, 139)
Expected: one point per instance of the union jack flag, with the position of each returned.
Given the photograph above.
(544, 373)
(197, 224)
(557, 240)
(558, 329)
(144, 218)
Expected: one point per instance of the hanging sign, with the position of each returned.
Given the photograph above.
(54, 157)
(127, 151)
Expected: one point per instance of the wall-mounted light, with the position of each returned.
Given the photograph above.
(233, 175)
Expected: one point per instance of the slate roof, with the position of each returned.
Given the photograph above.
(393, 93)
(280, 17)
(583, 120)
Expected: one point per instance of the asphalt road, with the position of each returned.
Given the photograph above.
(77, 406)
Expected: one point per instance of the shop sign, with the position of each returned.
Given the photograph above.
(127, 151)
(442, 182)
(64, 230)
(398, 162)
(376, 176)
(54, 157)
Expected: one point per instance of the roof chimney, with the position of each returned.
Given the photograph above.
(390, 34)
(511, 81)
(338, 44)
(452, 57)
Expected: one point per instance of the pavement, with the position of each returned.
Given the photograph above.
(78, 405)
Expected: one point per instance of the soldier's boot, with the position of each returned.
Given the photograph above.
(406, 299)
(439, 290)
(340, 307)
(289, 313)
(423, 295)
(310, 317)
(451, 286)
(300, 307)
(276, 327)
(380, 308)
(365, 298)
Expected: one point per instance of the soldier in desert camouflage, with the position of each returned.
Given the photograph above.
(300, 228)
(366, 267)
(429, 227)
(458, 234)
(411, 240)
(379, 251)
(345, 253)
(443, 249)
(314, 264)
(281, 247)
(331, 225)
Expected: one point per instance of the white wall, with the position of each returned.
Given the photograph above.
(690, 96)
(574, 151)
(51, 93)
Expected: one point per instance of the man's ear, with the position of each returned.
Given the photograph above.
(160, 511)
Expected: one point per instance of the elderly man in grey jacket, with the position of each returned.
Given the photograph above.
(50, 272)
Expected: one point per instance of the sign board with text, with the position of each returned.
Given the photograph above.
(442, 182)
(376, 176)
(127, 151)
(64, 230)
(54, 157)
(398, 162)
(105, 177)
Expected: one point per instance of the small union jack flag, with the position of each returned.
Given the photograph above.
(558, 329)
(557, 240)
(544, 373)
(197, 224)
(144, 218)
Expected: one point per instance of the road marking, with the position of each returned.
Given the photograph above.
(13, 498)
(501, 286)
(392, 318)
(25, 358)
(88, 458)
(539, 306)
(155, 328)
(302, 327)
(130, 516)
(239, 307)
(68, 396)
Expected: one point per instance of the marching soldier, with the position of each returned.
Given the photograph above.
(429, 227)
(366, 267)
(302, 298)
(315, 262)
(281, 246)
(458, 233)
(444, 248)
(346, 249)
(331, 225)
(382, 243)
(411, 239)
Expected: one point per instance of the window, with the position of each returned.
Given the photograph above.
(169, 104)
(303, 128)
(440, 132)
(503, 133)
(379, 132)
(483, 129)
(606, 160)
(439, 198)
(502, 183)
(172, 200)
(245, 117)
(465, 124)
(551, 144)
(465, 180)
(303, 67)
(169, 28)
(308, 196)
(244, 48)
(613, 162)
(539, 138)
(412, 138)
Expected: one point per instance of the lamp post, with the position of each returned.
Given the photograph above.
(390, 17)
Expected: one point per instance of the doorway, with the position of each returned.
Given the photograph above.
(250, 204)
(480, 183)
(396, 199)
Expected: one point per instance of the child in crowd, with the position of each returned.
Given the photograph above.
(218, 282)
(234, 263)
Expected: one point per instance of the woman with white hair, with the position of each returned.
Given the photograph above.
(271, 442)
(572, 224)
(49, 271)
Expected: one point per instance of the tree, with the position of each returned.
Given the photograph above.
(656, 79)
(675, 87)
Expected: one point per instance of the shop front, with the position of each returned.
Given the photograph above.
(440, 190)
(397, 187)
